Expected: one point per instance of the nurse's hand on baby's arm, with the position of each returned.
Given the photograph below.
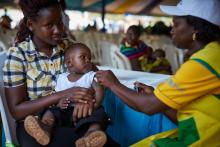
(107, 78)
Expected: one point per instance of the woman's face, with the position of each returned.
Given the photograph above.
(132, 37)
(181, 33)
(48, 26)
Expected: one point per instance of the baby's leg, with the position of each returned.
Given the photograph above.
(48, 118)
(93, 127)
(40, 129)
(94, 136)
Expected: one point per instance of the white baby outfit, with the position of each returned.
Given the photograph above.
(85, 81)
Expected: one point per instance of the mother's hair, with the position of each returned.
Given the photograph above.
(30, 9)
(207, 32)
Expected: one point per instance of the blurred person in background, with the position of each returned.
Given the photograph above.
(134, 49)
(7, 34)
(157, 63)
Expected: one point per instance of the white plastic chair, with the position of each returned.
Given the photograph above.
(172, 56)
(2, 46)
(9, 125)
(118, 59)
(181, 54)
(105, 52)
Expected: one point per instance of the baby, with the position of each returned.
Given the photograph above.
(80, 74)
(157, 63)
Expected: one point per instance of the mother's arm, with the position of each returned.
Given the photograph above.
(20, 106)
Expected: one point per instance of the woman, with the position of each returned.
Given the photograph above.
(194, 90)
(134, 49)
(31, 69)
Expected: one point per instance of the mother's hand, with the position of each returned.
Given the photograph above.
(79, 94)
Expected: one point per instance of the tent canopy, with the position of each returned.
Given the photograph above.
(139, 7)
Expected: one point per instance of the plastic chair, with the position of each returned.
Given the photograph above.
(9, 124)
(105, 52)
(118, 59)
(2, 46)
(172, 56)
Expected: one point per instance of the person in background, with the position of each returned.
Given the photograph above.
(7, 34)
(157, 63)
(5, 22)
(78, 61)
(194, 91)
(67, 32)
(31, 69)
(134, 49)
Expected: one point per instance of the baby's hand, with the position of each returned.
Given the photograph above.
(81, 110)
(63, 103)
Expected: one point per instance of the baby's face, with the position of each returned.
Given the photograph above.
(157, 55)
(81, 60)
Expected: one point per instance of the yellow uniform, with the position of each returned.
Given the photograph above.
(194, 91)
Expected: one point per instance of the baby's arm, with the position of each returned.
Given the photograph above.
(99, 93)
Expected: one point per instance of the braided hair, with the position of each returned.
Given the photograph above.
(30, 9)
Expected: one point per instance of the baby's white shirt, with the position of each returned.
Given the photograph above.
(85, 81)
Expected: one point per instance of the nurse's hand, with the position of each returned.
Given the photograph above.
(142, 88)
(106, 78)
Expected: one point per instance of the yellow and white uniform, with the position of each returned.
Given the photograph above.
(194, 91)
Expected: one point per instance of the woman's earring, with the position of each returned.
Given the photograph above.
(194, 36)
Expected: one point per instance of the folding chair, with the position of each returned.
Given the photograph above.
(9, 125)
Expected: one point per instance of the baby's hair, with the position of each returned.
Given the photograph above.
(30, 9)
(161, 52)
(73, 46)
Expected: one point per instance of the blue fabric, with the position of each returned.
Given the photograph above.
(129, 126)
(3, 138)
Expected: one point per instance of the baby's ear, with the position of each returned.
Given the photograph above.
(30, 25)
(68, 62)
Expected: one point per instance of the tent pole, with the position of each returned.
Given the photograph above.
(103, 14)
